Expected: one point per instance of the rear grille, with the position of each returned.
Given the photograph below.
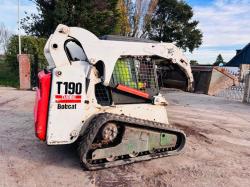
(103, 95)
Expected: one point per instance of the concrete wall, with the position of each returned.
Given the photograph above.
(244, 69)
(246, 98)
(220, 80)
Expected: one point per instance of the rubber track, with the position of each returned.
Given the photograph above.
(99, 120)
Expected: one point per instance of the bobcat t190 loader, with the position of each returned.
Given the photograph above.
(105, 95)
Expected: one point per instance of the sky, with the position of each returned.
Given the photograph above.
(225, 25)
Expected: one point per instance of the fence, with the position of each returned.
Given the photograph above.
(235, 92)
(239, 92)
(38, 63)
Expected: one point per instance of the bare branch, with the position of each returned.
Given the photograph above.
(4, 37)
(147, 18)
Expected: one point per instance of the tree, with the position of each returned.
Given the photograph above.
(4, 37)
(123, 26)
(219, 61)
(134, 16)
(173, 21)
(194, 62)
(160, 20)
(97, 16)
(30, 45)
(147, 18)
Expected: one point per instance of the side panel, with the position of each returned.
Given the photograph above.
(149, 112)
(41, 105)
(67, 107)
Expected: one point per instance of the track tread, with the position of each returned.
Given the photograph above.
(96, 123)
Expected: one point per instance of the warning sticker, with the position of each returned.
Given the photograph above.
(68, 98)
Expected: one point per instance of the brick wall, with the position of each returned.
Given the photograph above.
(24, 71)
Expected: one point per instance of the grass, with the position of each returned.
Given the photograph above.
(7, 77)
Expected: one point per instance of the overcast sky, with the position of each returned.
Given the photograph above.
(225, 25)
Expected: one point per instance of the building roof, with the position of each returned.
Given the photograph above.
(242, 57)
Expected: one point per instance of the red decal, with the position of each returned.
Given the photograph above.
(58, 96)
(68, 98)
(68, 101)
(78, 96)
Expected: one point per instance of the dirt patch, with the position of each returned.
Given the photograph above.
(8, 101)
(246, 154)
(25, 161)
(118, 176)
(196, 132)
(175, 101)
(221, 128)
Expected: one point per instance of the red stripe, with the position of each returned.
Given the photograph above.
(58, 96)
(69, 101)
(133, 91)
(74, 96)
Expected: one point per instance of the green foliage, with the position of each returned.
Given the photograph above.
(219, 61)
(173, 22)
(30, 45)
(134, 17)
(7, 77)
(194, 62)
(160, 20)
(97, 16)
(122, 26)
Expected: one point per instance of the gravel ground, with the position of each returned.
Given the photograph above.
(217, 151)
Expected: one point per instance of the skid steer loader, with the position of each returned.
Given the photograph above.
(105, 95)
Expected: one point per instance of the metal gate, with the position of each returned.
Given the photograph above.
(239, 92)
(235, 92)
